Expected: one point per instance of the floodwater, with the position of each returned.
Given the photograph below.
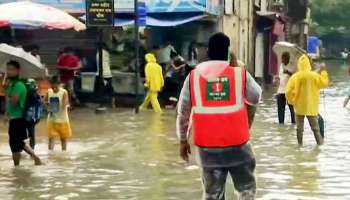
(135, 157)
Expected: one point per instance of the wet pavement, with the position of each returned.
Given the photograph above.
(125, 156)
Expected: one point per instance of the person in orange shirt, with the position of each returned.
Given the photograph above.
(44, 86)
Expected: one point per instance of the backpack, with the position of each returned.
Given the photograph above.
(34, 105)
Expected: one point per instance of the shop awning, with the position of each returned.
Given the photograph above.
(126, 20)
(174, 22)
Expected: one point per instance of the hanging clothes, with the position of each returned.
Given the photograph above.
(273, 60)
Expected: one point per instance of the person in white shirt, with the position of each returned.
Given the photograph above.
(192, 55)
(107, 74)
(164, 55)
(282, 79)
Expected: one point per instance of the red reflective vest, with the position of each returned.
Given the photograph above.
(220, 116)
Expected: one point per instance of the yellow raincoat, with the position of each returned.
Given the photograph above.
(303, 88)
(154, 83)
(154, 74)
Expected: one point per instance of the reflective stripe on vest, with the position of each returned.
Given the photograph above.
(201, 109)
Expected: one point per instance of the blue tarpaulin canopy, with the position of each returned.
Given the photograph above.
(313, 43)
(128, 19)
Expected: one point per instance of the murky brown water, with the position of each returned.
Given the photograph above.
(124, 156)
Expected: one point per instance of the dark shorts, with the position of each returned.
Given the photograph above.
(17, 134)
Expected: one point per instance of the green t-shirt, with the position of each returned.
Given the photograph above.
(16, 87)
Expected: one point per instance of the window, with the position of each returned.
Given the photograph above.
(229, 7)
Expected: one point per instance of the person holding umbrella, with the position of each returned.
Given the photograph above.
(16, 97)
(282, 80)
(288, 55)
(19, 65)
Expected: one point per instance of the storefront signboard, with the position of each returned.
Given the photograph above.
(99, 13)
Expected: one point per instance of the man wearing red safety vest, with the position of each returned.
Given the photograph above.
(214, 106)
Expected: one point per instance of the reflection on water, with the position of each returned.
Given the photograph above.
(124, 156)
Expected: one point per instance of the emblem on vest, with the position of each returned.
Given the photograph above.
(218, 89)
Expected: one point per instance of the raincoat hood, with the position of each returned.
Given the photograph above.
(150, 58)
(304, 63)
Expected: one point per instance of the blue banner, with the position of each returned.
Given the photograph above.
(142, 14)
(161, 6)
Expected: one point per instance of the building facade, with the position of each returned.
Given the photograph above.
(256, 25)
(253, 26)
(238, 22)
(297, 21)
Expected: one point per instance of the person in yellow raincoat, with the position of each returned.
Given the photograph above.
(303, 92)
(154, 83)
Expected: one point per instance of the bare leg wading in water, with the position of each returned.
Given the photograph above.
(313, 121)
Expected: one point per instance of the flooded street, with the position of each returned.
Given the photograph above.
(135, 157)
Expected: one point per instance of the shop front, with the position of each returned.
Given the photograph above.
(177, 22)
(52, 41)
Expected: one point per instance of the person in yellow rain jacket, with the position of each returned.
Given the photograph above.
(303, 92)
(154, 83)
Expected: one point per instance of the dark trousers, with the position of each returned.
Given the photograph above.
(281, 105)
(2, 104)
(214, 181)
(31, 134)
(321, 123)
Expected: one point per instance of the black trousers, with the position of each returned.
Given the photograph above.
(31, 134)
(281, 105)
(321, 123)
